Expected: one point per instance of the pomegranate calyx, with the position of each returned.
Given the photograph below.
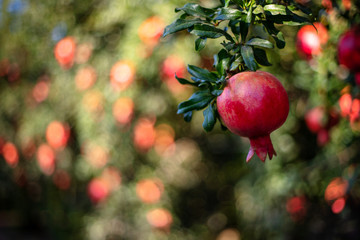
(262, 146)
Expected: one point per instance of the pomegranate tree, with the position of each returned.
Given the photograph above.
(248, 102)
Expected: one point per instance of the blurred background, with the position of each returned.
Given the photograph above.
(91, 146)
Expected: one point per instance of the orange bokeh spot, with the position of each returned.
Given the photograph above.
(171, 65)
(123, 110)
(41, 90)
(62, 179)
(345, 102)
(65, 52)
(229, 234)
(355, 110)
(149, 190)
(83, 52)
(96, 155)
(57, 134)
(346, 4)
(338, 205)
(93, 101)
(98, 190)
(112, 177)
(165, 135)
(122, 74)
(310, 39)
(336, 189)
(144, 134)
(151, 30)
(10, 154)
(85, 78)
(46, 159)
(159, 218)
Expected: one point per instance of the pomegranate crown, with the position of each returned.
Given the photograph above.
(248, 28)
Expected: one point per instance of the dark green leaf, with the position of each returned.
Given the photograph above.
(209, 118)
(201, 73)
(244, 28)
(248, 55)
(180, 24)
(275, 34)
(260, 43)
(188, 116)
(184, 81)
(222, 61)
(228, 14)
(235, 27)
(235, 64)
(261, 57)
(206, 31)
(249, 15)
(200, 43)
(217, 92)
(238, 2)
(196, 10)
(275, 9)
(258, 10)
(197, 101)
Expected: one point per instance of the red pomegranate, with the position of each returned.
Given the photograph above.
(253, 104)
(309, 40)
(349, 49)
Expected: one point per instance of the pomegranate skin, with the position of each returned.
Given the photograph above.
(253, 104)
(349, 49)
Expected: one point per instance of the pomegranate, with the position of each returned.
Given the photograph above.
(253, 104)
(309, 40)
(349, 49)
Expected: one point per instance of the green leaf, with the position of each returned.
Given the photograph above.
(275, 9)
(228, 14)
(261, 57)
(275, 34)
(196, 10)
(200, 43)
(206, 31)
(180, 24)
(248, 55)
(260, 43)
(235, 64)
(202, 74)
(249, 15)
(222, 61)
(217, 92)
(258, 10)
(235, 27)
(209, 118)
(188, 116)
(197, 101)
(184, 81)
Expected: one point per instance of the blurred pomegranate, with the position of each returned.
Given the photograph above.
(149, 190)
(159, 218)
(123, 110)
(98, 190)
(62, 179)
(65, 52)
(144, 134)
(310, 39)
(349, 49)
(57, 134)
(10, 154)
(296, 207)
(46, 159)
(122, 74)
(151, 30)
(173, 65)
(85, 78)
